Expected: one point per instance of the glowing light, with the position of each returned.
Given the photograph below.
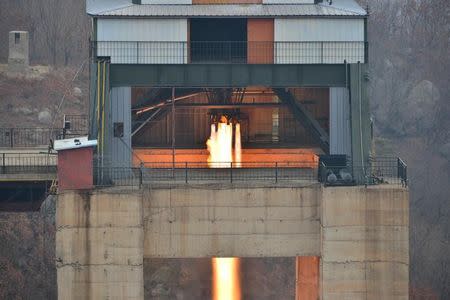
(220, 145)
(226, 281)
(237, 146)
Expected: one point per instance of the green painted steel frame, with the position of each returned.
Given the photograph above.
(228, 75)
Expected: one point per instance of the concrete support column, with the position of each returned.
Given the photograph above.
(365, 243)
(99, 245)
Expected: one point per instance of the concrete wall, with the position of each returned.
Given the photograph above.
(244, 222)
(365, 245)
(99, 246)
(361, 234)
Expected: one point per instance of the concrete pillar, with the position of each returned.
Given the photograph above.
(18, 60)
(365, 243)
(99, 245)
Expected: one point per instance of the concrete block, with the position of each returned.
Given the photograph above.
(18, 59)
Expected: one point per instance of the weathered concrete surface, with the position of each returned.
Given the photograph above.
(365, 244)
(18, 59)
(99, 245)
(361, 235)
(245, 222)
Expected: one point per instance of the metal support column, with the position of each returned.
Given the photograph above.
(360, 121)
(173, 128)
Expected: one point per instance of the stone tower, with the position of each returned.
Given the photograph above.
(18, 60)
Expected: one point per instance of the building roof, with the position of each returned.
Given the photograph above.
(123, 8)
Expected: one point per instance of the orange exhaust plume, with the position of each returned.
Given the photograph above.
(226, 278)
(220, 145)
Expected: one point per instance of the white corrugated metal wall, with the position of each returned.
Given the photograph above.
(343, 40)
(340, 130)
(143, 41)
(120, 112)
(166, 1)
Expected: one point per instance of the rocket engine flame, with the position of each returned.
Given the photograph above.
(220, 145)
(226, 281)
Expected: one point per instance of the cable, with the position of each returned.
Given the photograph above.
(64, 96)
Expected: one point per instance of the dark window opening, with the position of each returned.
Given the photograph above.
(17, 38)
(218, 40)
(118, 130)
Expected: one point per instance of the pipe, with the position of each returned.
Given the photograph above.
(145, 122)
(103, 109)
(173, 127)
(166, 102)
(360, 120)
(98, 98)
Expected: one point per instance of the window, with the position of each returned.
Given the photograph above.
(17, 38)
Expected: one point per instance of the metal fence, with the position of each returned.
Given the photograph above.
(27, 163)
(187, 172)
(75, 125)
(379, 170)
(231, 52)
(27, 137)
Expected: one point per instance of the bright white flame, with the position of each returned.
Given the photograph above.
(226, 281)
(237, 146)
(220, 145)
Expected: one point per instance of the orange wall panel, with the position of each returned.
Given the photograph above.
(260, 35)
(75, 169)
(307, 278)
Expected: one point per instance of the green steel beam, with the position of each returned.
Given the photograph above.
(360, 121)
(228, 75)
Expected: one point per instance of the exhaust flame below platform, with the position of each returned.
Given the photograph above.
(226, 278)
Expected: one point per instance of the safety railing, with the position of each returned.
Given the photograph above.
(75, 125)
(27, 137)
(231, 52)
(188, 172)
(378, 170)
(27, 163)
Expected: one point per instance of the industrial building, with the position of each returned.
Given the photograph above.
(236, 129)
(288, 73)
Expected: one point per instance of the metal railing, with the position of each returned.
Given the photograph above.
(41, 137)
(187, 172)
(75, 125)
(379, 170)
(386, 169)
(27, 137)
(231, 52)
(27, 163)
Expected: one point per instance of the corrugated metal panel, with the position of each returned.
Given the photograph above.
(166, 1)
(233, 10)
(120, 148)
(340, 133)
(135, 30)
(335, 40)
(313, 30)
(94, 7)
(142, 30)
